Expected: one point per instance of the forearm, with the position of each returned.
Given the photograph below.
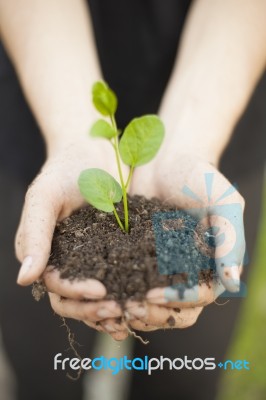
(52, 48)
(221, 58)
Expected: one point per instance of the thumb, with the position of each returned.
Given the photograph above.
(34, 236)
(228, 228)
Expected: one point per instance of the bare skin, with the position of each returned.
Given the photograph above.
(214, 76)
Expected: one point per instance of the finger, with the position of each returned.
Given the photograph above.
(198, 296)
(84, 311)
(122, 334)
(138, 325)
(34, 237)
(161, 316)
(113, 325)
(77, 290)
(229, 242)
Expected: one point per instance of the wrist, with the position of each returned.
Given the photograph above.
(79, 147)
(195, 124)
(65, 131)
(182, 143)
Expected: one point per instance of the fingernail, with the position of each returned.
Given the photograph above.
(235, 273)
(91, 297)
(104, 313)
(24, 269)
(138, 312)
(170, 294)
(109, 328)
(234, 280)
(127, 315)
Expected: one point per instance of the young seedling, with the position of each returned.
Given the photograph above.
(140, 142)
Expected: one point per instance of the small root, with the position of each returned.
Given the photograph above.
(125, 319)
(72, 342)
(132, 333)
(221, 304)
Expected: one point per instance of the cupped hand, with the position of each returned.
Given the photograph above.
(193, 184)
(52, 196)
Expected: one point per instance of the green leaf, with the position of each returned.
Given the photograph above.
(100, 189)
(101, 128)
(141, 140)
(104, 99)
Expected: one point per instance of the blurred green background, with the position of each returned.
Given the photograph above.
(250, 337)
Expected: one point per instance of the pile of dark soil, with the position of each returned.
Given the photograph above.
(165, 247)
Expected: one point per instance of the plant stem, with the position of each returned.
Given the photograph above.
(125, 209)
(124, 189)
(118, 220)
(129, 177)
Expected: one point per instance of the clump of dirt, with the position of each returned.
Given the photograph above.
(165, 247)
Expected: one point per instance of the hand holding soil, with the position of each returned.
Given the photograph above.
(165, 178)
(162, 307)
(107, 275)
(53, 196)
